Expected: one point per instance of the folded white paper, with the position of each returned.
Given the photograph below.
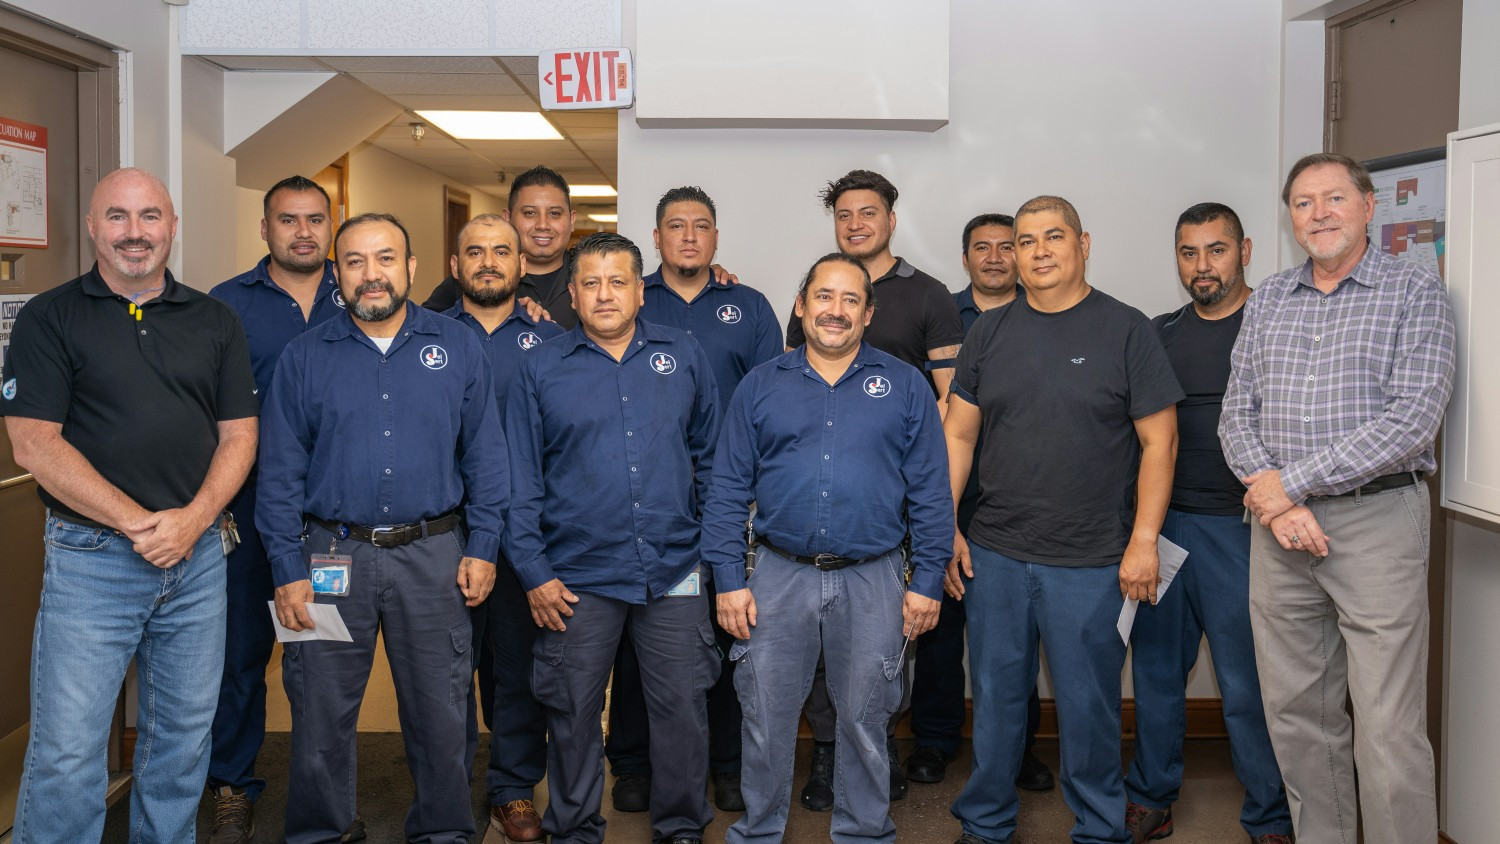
(1169, 559)
(328, 623)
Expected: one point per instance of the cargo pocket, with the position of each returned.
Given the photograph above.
(463, 664)
(744, 677)
(710, 658)
(885, 691)
(549, 682)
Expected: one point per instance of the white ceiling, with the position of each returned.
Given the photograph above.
(585, 155)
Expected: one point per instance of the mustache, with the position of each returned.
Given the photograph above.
(373, 286)
(134, 242)
(835, 321)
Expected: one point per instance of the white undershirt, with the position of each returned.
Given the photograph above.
(383, 343)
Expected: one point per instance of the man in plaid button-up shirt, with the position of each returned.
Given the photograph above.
(1340, 377)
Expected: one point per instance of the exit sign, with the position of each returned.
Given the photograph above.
(594, 78)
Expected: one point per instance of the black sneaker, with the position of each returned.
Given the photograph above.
(1034, 774)
(632, 792)
(898, 777)
(817, 795)
(927, 764)
(727, 794)
(355, 832)
(234, 817)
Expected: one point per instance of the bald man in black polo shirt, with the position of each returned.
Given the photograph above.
(130, 398)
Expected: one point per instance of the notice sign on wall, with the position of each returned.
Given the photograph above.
(10, 306)
(593, 78)
(23, 184)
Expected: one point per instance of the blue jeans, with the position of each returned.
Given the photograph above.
(240, 721)
(102, 604)
(1211, 595)
(853, 616)
(1013, 606)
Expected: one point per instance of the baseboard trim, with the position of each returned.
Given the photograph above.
(1205, 720)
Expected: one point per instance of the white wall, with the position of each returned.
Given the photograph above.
(207, 233)
(1148, 109)
(1471, 764)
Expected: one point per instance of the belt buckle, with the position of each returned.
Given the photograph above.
(825, 561)
(379, 534)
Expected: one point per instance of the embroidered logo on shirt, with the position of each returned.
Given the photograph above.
(528, 340)
(729, 313)
(434, 357)
(1077, 360)
(9, 390)
(338, 299)
(664, 363)
(877, 387)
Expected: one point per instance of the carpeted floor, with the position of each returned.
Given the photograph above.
(1207, 813)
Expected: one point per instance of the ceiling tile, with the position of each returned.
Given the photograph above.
(391, 84)
(464, 102)
(414, 64)
(267, 63)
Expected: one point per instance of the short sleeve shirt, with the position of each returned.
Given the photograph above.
(141, 399)
(1199, 351)
(914, 314)
(1059, 393)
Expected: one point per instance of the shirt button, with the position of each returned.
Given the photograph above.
(387, 471)
(825, 457)
(630, 433)
(690, 331)
(388, 433)
(385, 509)
(143, 331)
(632, 468)
(639, 540)
(830, 423)
(822, 530)
(1317, 338)
(825, 495)
(385, 395)
(1309, 377)
(1307, 419)
(637, 505)
(624, 398)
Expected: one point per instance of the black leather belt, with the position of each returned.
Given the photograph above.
(821, 562)
(391, 536)
(1383, 483)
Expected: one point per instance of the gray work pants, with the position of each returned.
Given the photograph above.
(674, 643)
(1355, 622)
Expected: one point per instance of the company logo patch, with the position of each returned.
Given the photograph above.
(434, 357)
(664, 363)
(528, 340)
(9, 390)
(338, 299)
(1077, 360)
(877, 387)
(729, 314)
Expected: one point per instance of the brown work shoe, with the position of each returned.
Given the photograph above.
(234, 817)
(518, 821)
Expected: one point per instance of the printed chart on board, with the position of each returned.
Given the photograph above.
(1411, 212)
(23, 184)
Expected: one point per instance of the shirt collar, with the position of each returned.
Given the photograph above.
(965, 299)
(1363, 273)
(659, 279)
(261, 274)
(648, 331)
(172, 290)
(901, 269)
(418, 320)
(797, 358)
(459, 313)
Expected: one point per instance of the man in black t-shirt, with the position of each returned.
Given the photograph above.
(1211, 594)
(130, 398)
(541, 210)
(916, 321)
(1065, 526)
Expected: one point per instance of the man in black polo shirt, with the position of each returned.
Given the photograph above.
(916, 321)
(130, 398)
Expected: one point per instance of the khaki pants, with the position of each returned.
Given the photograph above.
(1354, 623)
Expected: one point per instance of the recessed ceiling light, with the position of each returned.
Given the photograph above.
(591, 190)
(493, 125)
(605, 218)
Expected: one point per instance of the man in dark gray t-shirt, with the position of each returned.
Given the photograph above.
(1065, 526)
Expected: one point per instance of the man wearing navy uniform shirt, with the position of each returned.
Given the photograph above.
(841, 447)
(287, 292)
(738, 330)
(381, 424)
(938, 687)
(610, 429)
(1065, 526)
(488, 266)
(1211, 594)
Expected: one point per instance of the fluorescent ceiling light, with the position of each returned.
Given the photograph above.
(605, 218)
(493, 125)
(591, 190)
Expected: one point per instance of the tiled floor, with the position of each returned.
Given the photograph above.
(1207, 812)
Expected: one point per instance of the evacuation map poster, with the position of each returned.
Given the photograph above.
(1411, 213)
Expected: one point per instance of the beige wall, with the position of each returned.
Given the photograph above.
(208, 232)
(383, 181)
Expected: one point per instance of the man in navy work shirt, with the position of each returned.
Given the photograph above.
(488, 265)
(1065, 526)
(129, 396)
(287, 292)
(841, 446)
(610, 429)
(915, 321)
(738, 330)
(1211, 594)
(380, 425)
(938, 683)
